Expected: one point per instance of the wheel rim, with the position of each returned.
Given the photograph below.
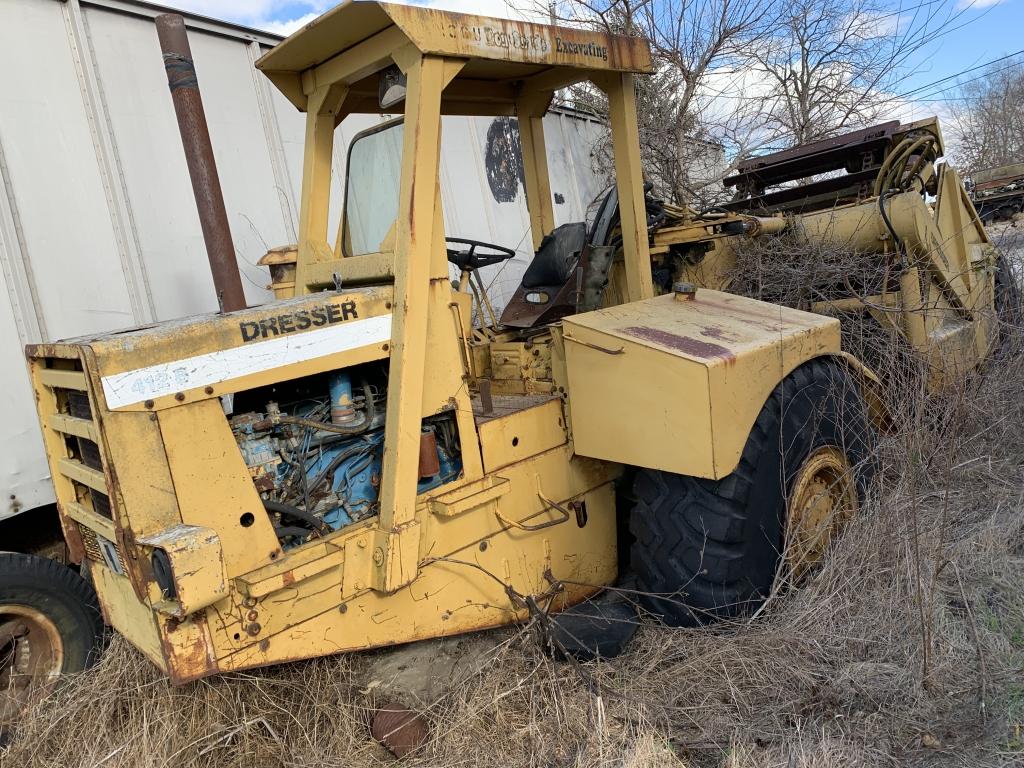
(823, 498)
(31, 655)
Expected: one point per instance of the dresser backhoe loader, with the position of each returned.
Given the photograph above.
(375, 458)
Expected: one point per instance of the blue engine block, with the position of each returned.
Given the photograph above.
(343, 475)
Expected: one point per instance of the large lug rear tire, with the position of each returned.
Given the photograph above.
(1007, 293)
(706, 549)
(50, 625)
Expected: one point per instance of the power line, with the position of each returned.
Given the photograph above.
(933, 96)
(962, 72)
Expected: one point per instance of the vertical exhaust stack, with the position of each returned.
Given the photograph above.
(202, 168)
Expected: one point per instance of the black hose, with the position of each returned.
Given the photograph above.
(888, 224)
(287, 510)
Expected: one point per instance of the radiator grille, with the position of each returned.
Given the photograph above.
(78, 404)
(90, 544)
(101, 504)
(90, 453)
(76, 449)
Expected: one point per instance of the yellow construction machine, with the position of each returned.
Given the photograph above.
(374, 458)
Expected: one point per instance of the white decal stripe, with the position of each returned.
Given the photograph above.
(130, 387)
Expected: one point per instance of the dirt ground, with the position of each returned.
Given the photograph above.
(905, 648)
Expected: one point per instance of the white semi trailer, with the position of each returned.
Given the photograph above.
(98, 225)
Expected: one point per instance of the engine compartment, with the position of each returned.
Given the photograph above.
(314, 449)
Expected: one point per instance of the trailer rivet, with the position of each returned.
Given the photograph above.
(208, 390)
(249, 602)
(148, 403)
(385, 347)
(253, 629)
(343, 608)
(253, 615)
(378, 556)
(179, 396)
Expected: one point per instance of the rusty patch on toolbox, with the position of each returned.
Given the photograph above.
(685, 344)
(719, 334)
(769, 322)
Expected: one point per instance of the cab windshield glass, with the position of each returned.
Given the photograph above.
(371, 189)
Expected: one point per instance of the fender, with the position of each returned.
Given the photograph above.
(870, 389)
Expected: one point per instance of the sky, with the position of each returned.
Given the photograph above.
(285, 16)
(986, 30)
(982, 31)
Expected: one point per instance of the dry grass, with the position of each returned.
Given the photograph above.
(906, 648)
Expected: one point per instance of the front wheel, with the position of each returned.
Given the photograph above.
(710, 549)
(50, 625)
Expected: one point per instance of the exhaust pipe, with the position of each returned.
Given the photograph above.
(202, 168)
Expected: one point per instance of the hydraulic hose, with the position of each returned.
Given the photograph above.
(287, 510)
(893, 165)
(883, 171)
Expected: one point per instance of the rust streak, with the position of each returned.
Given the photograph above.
(769, 322)
(685, 344)
(714, 332)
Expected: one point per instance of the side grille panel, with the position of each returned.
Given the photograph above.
(79, 463)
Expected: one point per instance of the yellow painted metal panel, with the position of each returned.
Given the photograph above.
(450, 594)
(208, 355)
(514, 49)
(521, 433)
(708, 365)
(57, 377)
(145, 494)
(90, 519)
(197, 567)
(469, 497)
(76, 470)
(283, 574)
(70, 425)
(213, 485)
(122, 610)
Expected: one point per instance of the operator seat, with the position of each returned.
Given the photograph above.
(546, 292)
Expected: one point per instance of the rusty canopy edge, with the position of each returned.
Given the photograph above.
(513, 50)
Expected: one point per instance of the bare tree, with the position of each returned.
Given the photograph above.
(735, 76)
(682, 123)
(988, 117)
(832, 65)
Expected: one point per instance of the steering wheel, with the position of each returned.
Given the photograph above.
(469, 259)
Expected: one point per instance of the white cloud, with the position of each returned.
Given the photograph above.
(283, 17)
(962, 4)
(285, 28)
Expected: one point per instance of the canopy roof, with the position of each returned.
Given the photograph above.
(502, 54)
